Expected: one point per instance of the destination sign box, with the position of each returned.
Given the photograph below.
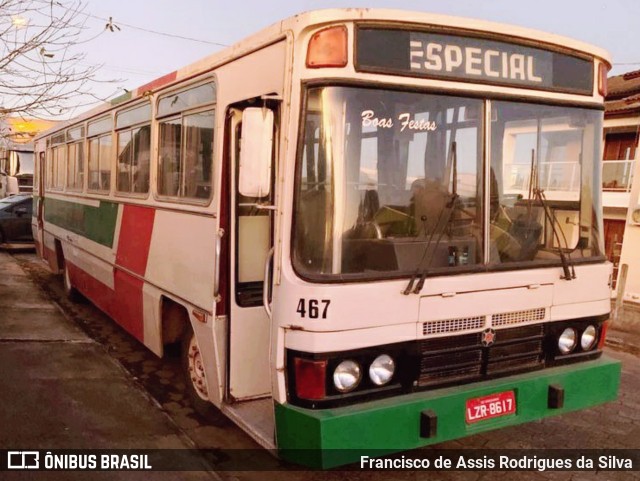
(453, 57)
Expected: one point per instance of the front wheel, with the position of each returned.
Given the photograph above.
(196, 381)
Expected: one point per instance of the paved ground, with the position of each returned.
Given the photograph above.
(80, 397)
(146, 406)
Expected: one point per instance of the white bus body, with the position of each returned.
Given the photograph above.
(409, 243)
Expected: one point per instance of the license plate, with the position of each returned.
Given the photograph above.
(492, 406)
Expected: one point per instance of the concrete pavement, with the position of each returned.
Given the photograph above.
(59, 388)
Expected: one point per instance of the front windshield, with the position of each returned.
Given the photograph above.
(391, 183)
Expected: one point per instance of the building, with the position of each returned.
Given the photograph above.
(621, 183)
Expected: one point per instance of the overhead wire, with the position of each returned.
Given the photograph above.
(111, 22)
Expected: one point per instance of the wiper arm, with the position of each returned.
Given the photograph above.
(421, 272)
(567, 265)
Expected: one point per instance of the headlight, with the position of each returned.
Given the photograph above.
(567, 341)
(588, 339)
(382, 369)
(346, 376)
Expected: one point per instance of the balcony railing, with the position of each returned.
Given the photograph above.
(617, 175)
(553, 176)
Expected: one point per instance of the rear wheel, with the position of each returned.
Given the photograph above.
(71, 292)
(196, 381)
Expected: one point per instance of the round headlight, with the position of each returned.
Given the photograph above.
(382, 369)
(588, 339)
(568, 340)
(346, 376)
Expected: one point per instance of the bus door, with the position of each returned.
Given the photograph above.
(251, 241)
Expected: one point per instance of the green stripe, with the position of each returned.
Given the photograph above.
(95, 223)
(332, 437)
(121, 98)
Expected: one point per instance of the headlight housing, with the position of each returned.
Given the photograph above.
(347, 376)
(567, 340)
(588, 338)
(382, 369)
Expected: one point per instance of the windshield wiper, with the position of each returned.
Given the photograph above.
(446, 212)
(567, 265)
(534, 188)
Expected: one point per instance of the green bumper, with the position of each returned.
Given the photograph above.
(333, 437)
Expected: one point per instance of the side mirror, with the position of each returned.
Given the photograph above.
(20, 211)
(256, 146)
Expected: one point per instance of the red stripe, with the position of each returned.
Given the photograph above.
(134, 242)
(154, 84)
(124, 304)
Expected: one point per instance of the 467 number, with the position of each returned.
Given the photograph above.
(313, 308)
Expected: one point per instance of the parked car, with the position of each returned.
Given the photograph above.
(15, 219)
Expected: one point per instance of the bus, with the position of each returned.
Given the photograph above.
(369, 230)
(16, 154)
(16, 165)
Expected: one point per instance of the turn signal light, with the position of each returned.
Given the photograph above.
(603, 334)
(328, 48)
(603, 70)
(310, 378)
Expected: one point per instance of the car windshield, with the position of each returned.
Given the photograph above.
(390, 183)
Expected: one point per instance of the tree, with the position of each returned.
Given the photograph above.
(42, 70)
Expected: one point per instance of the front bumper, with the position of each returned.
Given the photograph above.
(332, 437)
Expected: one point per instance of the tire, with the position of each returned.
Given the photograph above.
(196, 382)
(70, 292)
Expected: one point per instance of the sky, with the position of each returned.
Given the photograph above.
(131, 57)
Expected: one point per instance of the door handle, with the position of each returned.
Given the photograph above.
(266, 283)
(216, 279)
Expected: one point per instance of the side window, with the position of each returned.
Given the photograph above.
(75, 166)
(59, 166)
(100, 164)
(48, 169)
(134, 149)
(28, 206)
(186, 156)
(134, 154)
(185, 153)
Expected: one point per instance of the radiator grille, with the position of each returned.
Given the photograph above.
(464, 358)
(453, 325)
(518, 317)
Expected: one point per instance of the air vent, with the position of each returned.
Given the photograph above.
(453, 325)
(518, 317)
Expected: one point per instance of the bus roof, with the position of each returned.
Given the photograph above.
(317, 18)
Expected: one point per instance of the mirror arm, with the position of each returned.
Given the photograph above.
(257, 206)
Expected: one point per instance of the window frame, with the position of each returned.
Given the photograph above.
(98, 137)
(196, 109)
(130, 127)
(77, 144)
(488, 97)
